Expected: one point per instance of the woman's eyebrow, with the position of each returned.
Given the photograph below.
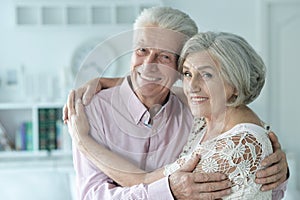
(199, 67)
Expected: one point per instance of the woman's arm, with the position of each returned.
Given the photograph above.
(117, 168)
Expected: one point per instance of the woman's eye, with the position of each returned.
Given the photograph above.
(187, 74)
(206, 75)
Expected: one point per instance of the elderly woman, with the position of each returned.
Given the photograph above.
(222, 74)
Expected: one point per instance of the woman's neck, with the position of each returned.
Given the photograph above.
(216, 125)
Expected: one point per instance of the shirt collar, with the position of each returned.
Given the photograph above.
(134, 106)
(131, 101)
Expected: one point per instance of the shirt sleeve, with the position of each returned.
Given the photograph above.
(278, 193)
(92, 184)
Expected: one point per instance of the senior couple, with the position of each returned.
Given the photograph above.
(140, 140)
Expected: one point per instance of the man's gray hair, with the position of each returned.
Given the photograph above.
(239, 63)
(168, 18)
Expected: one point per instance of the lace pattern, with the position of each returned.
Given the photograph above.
(236, 153)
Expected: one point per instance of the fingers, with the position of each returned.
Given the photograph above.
(276, 174)
(65, 114)
(79, 108)
(209, 177)
(214, 186)
(184, 186)
(70, 104)
(190, 165)
(269, 180)
(214, 195)
(274, 169)
(275, 143)
(66, 110)
(272, 186)
(88, 94)
(92, 87)
(78, 94)
(273, 158)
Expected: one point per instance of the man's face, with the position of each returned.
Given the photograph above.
(154, 62)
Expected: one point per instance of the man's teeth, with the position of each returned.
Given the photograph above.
(149, 78)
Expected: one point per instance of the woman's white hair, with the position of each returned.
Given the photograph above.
(168, 18)
(239, 63)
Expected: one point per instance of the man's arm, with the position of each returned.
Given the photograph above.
(89, 89)
(275, 176)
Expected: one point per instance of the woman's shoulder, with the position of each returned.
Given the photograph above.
(247, 134)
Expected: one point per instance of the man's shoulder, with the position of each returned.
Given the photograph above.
(103, 97)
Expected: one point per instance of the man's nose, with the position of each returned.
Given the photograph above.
(151, 58)
(151, 62)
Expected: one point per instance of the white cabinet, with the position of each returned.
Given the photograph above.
(48, 174)
(14, 115)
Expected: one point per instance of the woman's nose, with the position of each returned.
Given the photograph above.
(195, 84)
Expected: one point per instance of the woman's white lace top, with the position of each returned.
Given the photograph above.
(236, 153)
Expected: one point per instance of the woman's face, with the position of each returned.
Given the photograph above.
(206, 91)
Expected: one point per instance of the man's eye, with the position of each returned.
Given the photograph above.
(164, 58)
(141, 51)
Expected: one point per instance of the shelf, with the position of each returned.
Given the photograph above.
(27, 155)
(11, 106)
(52, 15)
(34, 127)
(101, 15)
(27, 15)
(55, 160)
(79, 13)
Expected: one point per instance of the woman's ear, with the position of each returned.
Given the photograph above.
(235, 92)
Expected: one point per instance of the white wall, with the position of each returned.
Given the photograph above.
(43, 50)
(49, 49)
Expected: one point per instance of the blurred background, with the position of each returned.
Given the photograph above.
(43, 44)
